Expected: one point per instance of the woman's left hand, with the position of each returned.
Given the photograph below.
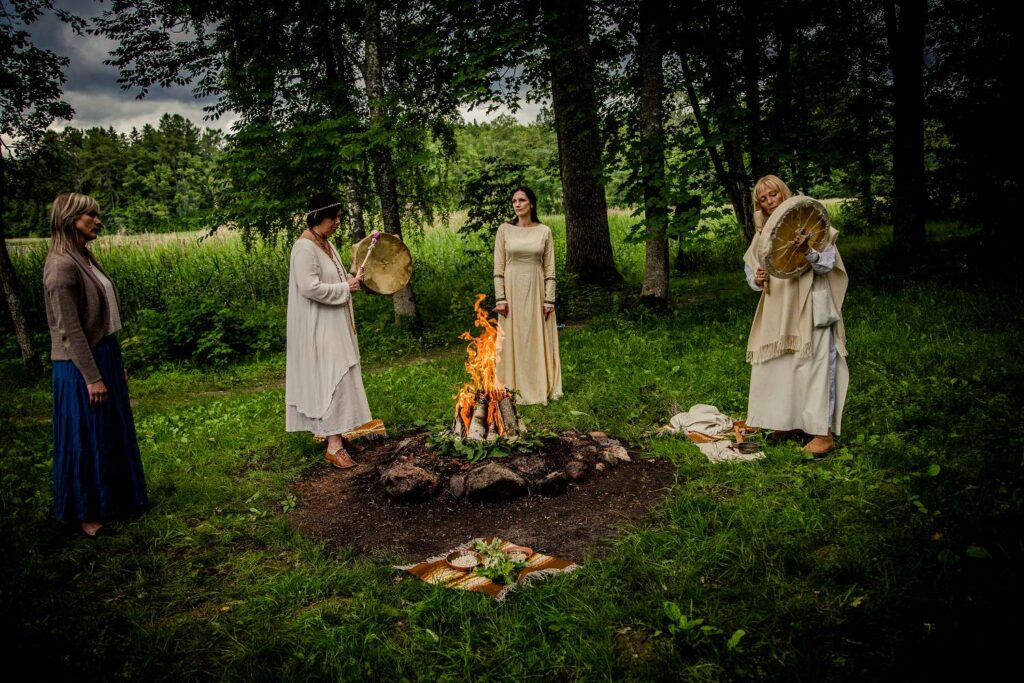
(800, 241)
(548, 310)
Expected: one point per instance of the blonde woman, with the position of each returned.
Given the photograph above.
(798, 376)
(97, 470)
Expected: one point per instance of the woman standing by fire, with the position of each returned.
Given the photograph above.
(524, 290)
(323, 378)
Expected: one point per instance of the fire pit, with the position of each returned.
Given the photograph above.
(487, 454)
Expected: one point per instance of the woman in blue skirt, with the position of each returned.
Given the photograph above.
(97, 470)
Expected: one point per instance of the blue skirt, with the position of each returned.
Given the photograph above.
(97, 470)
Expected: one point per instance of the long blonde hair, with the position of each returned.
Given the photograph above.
(768, 180)
(64, 212)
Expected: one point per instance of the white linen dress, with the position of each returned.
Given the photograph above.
(323, 379)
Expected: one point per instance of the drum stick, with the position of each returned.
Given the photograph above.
(361, 272)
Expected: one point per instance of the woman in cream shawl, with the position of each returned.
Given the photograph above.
(798, 375)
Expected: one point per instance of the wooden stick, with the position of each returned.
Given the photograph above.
(361, 271)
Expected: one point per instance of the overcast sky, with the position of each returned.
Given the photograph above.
(92, 88)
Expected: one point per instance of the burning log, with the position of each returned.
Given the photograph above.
(484, 408)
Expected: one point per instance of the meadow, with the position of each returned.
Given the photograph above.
(898, 556)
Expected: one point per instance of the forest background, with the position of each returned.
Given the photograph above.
(897, 555)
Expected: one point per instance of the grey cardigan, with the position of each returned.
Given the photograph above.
(76, 310)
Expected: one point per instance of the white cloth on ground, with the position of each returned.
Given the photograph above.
(708, 420)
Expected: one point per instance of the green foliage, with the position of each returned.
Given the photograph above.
(821, 569)
(498, 565)
(489, 196)
(159, 179)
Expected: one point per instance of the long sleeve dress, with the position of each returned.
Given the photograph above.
(524, 278)
(796, 390)
(323, 379)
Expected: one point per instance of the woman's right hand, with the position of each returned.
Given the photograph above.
(502, 309)
(97, 393)
(760, 277)
(354, 283)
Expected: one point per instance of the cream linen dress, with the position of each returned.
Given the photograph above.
(524, 277)
(323, 380)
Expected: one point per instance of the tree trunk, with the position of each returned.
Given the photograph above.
(383, 168)
(751, 58)
(652, 159)
(778, 137)
(588, 249)
(10, 284)
(738, 196)
(862, 144)
(354, 199)
(905, 30)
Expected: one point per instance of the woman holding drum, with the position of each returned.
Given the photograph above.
(797, 343)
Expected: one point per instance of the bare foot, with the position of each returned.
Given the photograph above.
(91, 528)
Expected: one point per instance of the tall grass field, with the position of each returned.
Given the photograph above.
(898, 557)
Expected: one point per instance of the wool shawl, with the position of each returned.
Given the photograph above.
(784, 321)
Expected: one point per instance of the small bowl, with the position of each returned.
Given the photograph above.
(519, 550)
(747, 447)
(477, 558)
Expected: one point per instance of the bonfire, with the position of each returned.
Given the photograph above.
(484, 408)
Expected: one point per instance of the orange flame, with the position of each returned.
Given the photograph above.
(482, 357)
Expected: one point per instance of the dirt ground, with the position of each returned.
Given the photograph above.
(349, 507)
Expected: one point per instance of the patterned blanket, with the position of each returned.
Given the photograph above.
(436, 571)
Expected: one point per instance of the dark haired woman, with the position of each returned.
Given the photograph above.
(323, 380)
(97, 470)
(524, 289)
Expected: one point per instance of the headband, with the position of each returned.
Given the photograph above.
(323, 208)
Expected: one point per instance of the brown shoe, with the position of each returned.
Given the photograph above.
(820, 445)
(340, 459)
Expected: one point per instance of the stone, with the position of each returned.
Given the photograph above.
(576, 470)
(553, 484)
(615, 454)
(494, 482)
(408, 482)
(599, 467)
(457, 485)
(600, 438)
(530, 465)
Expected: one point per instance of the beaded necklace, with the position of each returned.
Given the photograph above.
(326, 248)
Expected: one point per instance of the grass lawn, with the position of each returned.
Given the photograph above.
(896, 557)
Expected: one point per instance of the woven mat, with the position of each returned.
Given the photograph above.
(436, 571)
(374, 429)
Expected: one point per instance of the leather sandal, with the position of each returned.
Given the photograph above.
(820, 445)
(340, 459)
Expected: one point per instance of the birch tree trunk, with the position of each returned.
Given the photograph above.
(10, 285)
(652, 158)
(383, 167)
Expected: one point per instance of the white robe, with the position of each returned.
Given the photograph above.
(794, 392)
(323, 380)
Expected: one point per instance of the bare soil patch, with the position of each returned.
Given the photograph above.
(350, 507)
